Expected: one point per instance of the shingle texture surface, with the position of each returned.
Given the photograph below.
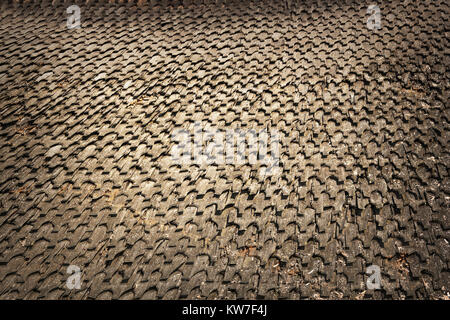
(87, 177)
